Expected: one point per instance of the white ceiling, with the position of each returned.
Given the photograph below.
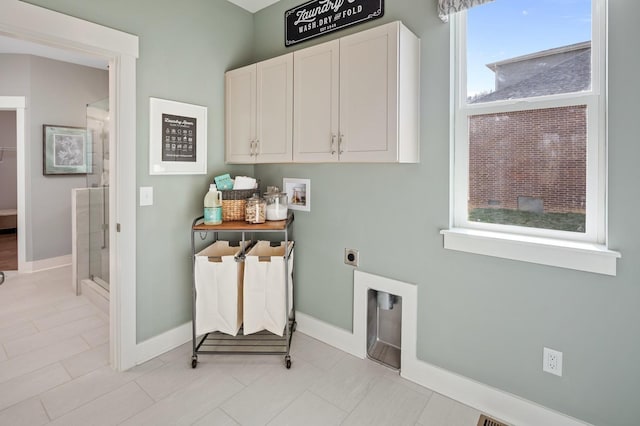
(14, 45)
(253, 5)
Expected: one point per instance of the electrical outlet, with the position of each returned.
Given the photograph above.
(351, 257)
(552, 361)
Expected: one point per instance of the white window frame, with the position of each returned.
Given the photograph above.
(582, 251)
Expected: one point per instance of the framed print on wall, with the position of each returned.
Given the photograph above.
(298, 193)
(177, 138)
(65, 150)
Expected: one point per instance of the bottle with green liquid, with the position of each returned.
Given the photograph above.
(213, 206)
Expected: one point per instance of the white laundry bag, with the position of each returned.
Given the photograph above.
(265, 306)
(218, 281)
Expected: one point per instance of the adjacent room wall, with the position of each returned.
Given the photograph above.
(57, 93)
(60, 93)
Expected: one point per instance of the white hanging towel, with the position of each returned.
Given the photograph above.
(264, 288)
(218, 280)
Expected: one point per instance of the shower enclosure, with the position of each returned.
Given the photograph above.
(98, 191)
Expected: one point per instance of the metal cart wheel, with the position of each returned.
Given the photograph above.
(287, 361)
(194, 361)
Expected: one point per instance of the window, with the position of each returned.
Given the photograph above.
(529, 128)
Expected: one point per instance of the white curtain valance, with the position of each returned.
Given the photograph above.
(447, 7)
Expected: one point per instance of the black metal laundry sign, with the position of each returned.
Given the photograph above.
(318, 17)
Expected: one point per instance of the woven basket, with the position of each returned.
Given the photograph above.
(234, 203)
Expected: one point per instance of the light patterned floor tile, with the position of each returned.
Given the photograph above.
(23, 364)
(190, 403)
(97, 336)
(26, 413)
(31, 384)
(258, 403)
(87, 361)
(346, 384)
(245, 368)
(74, 394)
(64, 317)
(437, 411)
(309, 410)
(110, 409)
(463, 415)
(388, 403)
(18, 330)
(172, 377)
(42, 339)
(315, 352)
(216, 418)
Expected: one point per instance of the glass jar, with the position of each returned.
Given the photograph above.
(255, 210)
(276, 205)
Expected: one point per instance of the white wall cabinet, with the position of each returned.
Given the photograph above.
(357, 98)
(316, 76)
(259, 112)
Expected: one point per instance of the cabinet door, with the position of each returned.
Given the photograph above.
(369, 95)
(240, 115)
(316, 90)
(274, 122)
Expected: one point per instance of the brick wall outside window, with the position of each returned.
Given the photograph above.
(539, 154)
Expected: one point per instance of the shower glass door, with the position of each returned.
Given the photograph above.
(98, 184)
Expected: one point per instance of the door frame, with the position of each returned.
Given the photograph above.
(18, 104)
(36, 24)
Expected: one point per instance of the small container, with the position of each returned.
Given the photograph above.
(276, 205)
(255, 210)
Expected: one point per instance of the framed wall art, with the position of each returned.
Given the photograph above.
(65, 150)
(298, 193)
(177, 138)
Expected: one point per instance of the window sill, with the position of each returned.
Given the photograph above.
(564, 254)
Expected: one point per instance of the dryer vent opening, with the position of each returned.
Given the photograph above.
(384, 326)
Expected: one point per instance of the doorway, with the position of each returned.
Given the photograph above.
(8, 192)
(28, 22)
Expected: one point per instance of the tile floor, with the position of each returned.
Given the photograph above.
(54, 370)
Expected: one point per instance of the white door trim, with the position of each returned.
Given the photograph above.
(33, 23)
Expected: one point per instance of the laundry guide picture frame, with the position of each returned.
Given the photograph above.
(65, 150)
(298, 193)
(177, 138)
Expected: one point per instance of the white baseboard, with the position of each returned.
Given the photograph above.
(329, 334)
(163, 343)
(44, 264)
(486, 399)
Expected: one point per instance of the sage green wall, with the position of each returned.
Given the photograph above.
(481, 317)
(185, 48)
